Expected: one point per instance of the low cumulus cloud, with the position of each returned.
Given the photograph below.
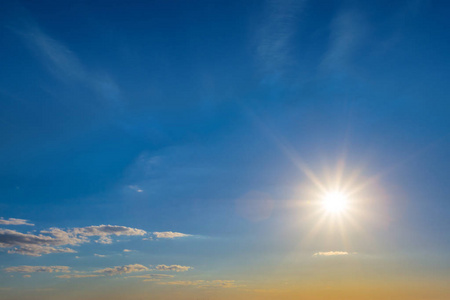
(122, 269)
(169, 234)
(203, 283)
(37, 269)
(176, 268)
(331, 253)
(14, 221)
(52, 240)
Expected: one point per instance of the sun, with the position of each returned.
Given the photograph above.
(335, 202)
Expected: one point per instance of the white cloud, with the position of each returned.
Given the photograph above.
(54, 238)
(107, 230)
(203, 283)
(99, 255)
(31, 244)
(136, 188)
(128, 250)
(169, 234)
(176, 268)
(122, 269)
(331, 253)
(14, 221)
(36, 269)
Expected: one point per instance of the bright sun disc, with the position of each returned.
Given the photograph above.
(335, 202)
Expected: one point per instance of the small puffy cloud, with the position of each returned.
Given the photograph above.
(176, 268)
(203, 283)
(330, 253)
(36, 269)
(122, 269)
(67, 276)
(99, 255)
(169, 234)
(14, 221)
(136, 188)
(127, 250)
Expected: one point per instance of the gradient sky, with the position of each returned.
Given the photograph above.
(179, 149)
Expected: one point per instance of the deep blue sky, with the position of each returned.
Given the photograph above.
(163, 115)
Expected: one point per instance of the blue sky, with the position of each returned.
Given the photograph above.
(199, 134)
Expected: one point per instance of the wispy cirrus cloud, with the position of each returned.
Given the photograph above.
(117, 270)
(203, 283)
(275, 35)
(52, 240)
(37, 269)
(14, 221)
(347, 31)
(65, 64)
(176, 268)
(331, 253)
(170, 234)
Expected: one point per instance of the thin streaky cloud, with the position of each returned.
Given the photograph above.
(203, 283)
(151, 276)
(169, 234)
(37, 269)
(117, 270)
(14, 221)
(37, 250)
(70, 276)
(176, 268)
(331, 253)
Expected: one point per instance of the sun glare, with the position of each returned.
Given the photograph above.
(335, 202)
